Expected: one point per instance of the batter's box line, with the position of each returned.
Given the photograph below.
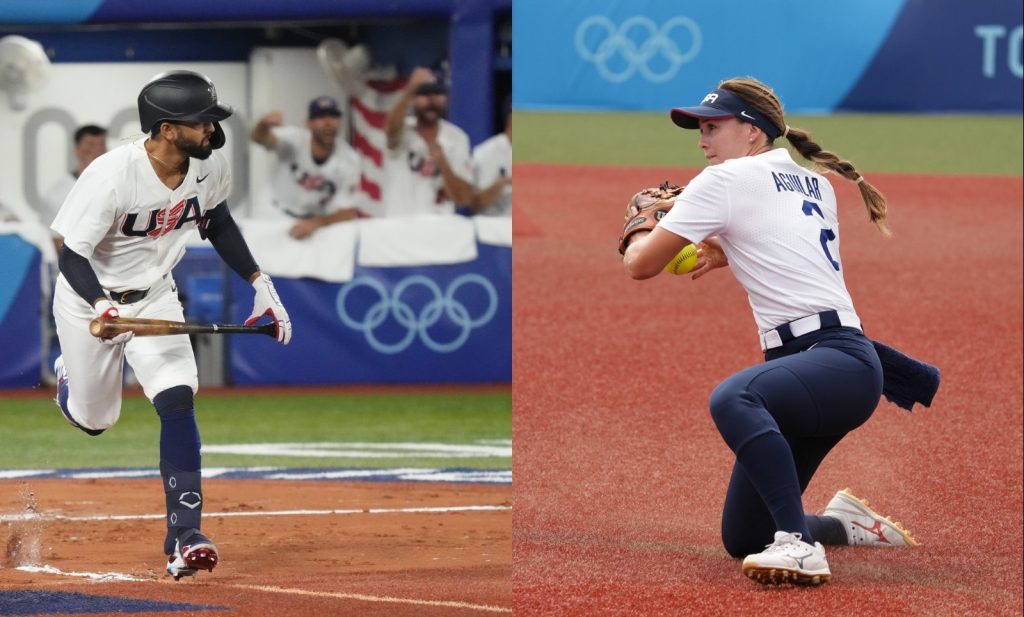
(37, 516)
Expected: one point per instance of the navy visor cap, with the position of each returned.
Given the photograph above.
(722, 104)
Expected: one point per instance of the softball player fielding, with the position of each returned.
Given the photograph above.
(775, 224)
(125, 225)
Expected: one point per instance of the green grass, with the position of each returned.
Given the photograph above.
(34, 435)
(929, 144)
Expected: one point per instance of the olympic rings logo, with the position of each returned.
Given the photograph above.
(440, 304)
(657, 43)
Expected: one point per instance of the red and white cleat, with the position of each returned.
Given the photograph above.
(864, 526)
(198, 554)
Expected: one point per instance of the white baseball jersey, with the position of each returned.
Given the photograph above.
(492, 159)
(54, 198)
(302, 188)
(412, 182)
(778, 225)
(128, 224)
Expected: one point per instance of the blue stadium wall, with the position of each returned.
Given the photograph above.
(820, 56)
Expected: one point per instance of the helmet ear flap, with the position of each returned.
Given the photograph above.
(218, 139)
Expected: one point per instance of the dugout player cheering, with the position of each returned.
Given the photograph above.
(775, 224)
(316, 176)
(427, 169)
(125, 225)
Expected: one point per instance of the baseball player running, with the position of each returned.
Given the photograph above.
(775, 224)
(125, 225)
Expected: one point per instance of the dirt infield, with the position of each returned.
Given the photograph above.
(288, 548)
(621, 475)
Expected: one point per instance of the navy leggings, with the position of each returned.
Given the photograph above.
(781, 418)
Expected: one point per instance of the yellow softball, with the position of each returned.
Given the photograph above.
(684, 261)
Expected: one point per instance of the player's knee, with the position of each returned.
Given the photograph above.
(737, 545)
(174, 401)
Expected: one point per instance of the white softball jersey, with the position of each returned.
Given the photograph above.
(492, 159)
(302, 188)
(412, 182)
(778, 225)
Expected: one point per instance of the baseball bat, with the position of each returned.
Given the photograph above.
(108, 328)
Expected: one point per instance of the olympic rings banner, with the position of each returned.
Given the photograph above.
(410, 325)
(869, 55)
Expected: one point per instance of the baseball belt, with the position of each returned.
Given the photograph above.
(780, 335)
(128, 297)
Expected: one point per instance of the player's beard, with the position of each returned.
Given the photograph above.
(193, 149)
(428, 114)
(325, 138)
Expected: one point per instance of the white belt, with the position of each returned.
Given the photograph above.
(805, 325)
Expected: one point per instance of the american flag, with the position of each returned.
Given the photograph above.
(369, 118)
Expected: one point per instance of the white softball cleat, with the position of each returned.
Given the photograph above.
(864, 526)
(788, 560)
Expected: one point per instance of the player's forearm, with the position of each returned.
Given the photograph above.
(227, 240)
(396, 120)
(80, 275)
(262, 134)
(484, 198)
(460, 191)
(345, 214)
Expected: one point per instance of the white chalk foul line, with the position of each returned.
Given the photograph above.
(35, 516)
(94, 576)
(366, 598)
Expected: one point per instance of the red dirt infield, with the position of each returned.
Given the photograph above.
(621, 475)
(282, 554)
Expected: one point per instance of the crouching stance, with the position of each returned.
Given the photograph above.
(775, 225)
(125, 226)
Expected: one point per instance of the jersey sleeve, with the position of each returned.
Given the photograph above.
(702, 209)
(347, 193)
(88, 212)
(289, 140)
(459, 159)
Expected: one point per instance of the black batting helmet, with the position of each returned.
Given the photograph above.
(182, 96)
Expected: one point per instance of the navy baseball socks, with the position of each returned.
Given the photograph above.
(187, 548)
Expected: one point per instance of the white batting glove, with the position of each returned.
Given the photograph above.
(267, 302)
(107, 310)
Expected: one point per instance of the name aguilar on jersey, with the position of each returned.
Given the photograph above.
(808, 186)
(162, 221)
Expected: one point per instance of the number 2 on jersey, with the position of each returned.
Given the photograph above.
(810, 208)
